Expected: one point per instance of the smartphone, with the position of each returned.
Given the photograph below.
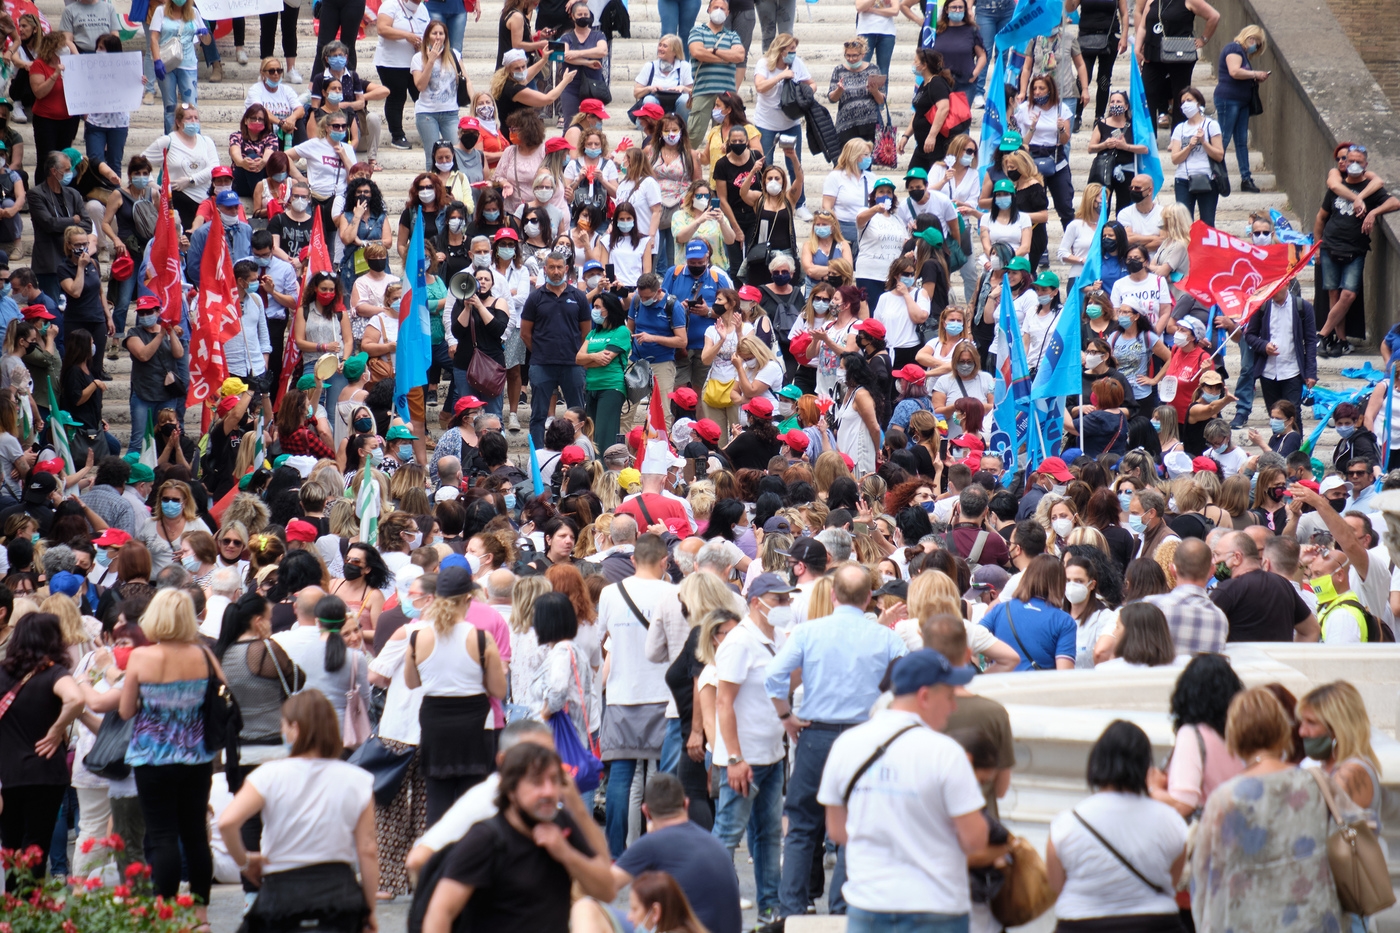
(555, 45)
(610, 272)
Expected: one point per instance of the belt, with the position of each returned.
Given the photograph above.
(832, 726)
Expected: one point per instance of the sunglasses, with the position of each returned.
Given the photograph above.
(273, 71)
(1358, 472)
(425, 188)
(1361, 149)
(339, 126)
(177, 500)
(228, 541)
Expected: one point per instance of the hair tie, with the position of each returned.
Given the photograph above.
(330, 625)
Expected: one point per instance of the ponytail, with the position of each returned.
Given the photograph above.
(330, 617)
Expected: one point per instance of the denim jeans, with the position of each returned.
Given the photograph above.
(1206, 202)
(106, 144)
(544, 380)
(672, 746)
(768, 139)
(677, 16)
(1244, 387)
(990, 19)
(761, 813)
(140, 411)
(881, 49)
(186, 83)
(460, 389)
(681, 109)
(456, 26)
(774, 17)
(618, 806)
(1335, 275)
(865, 921)
(1233, 116)
(431, 128)
(806, 820)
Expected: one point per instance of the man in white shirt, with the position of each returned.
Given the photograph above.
(225, 586)
(306, 634)
(500, 587)
(634, 720)
(1368, 575)
(903, 800)
(749, 738)
(922, 199)
(1142, 219)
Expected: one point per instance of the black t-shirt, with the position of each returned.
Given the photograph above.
(505, 104)
(700, 864)
(72, 383)
(1261, 606)
(680, 676)
(930, 93)
(734, 176)
(429, 219)
(516, 885)
(750, 452)
(34, 711)
(219, 462)
(87, 308)
(934, 271)
(294, 234)
(1341, 232)
(489, 337)
(1120, 544)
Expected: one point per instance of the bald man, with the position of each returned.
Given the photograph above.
(1260, 606)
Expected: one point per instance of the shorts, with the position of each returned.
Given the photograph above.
(416, 411)
(1340, 275)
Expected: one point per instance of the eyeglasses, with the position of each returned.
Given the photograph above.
(339, 126)
(971, 152)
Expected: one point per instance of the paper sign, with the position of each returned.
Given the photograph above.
(106, 83)
(214, 10)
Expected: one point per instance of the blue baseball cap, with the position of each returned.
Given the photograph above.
(766, 583)
(66, 583)
(227, 198)
(591, 265)
(926, 668)
(697, 249)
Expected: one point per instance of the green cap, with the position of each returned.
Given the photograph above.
(400, 433)
(140, 473)
(1004, 184)
(882, 182)
(932, 236)
(354, 366)
(6, 102)
(916, 172)
(74, 156)
(1010, 141)
(247, 478)
(306, 382)
(281, 459)
(1019, 264)
(790, 391)
(133, 456)
(1047, 279)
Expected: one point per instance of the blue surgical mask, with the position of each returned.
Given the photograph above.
(1346, 430)
(337, 62)
(965, 159)
(506, 252)
(1210, 396)
(717, 115)
(555, 282)
(597, 317)
(956, 16)
(272, 83)
(278, 177)
(1003, 202)
(865, 163)
(908, 282)
(1156, 424)
(263, 261)
(192, 127)
(103, 559)
(1136, 525)
(822, 231)
(141, 182)
(821, 306)
(67, 177)
(409, 610)
(510, 500)
(376, 456)
(338, 136)
(625, 226)
(171, 509)
(191, 563)
(1125, 321)
(929, 507)
(405, 452)
(1276, 425)
(491, 216)
(1125, 499)
(1220, 451)
(593, 152)
(954, 328)
(335, 97)
(1044, 300)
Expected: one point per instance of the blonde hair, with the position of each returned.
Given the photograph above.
(1087, 534)
(820, 602)
(1021, 160)
(959, 143)
(1176, 223)
(1092, 192)
(446, 611)
(69, 619)
(836, 235)
(1343, 712)
(705, 643)
(522, 601)
(344, 522)
(701, 499)
(170, 617)
(270, 60)
(757, 349)
(1252, 32)
(187, 511)
(778, 48)
(931, 593)
(71, 235)
(851, 154)
(703, 593)
(859, 44)
(673, 42)
(828, 467)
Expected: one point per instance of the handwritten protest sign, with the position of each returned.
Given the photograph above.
(213, 10)
(105, 83)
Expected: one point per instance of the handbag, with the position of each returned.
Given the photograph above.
(1200, 184)
(1094, 43)
(355, 728)
(757, 253)
(959, 112)
(885, 153)
(1172, 50)
(1358, 864)
(716, 393)
(1025, 889)
(484, 374)
(222, 720)
(172, 52)
(1045, 165)
(464, 96)
(582, 763)
(794, 98)
(388, 767)
(592, 86)
(107, 758)
(1101, 169)
(1256, 101)
(1221, 176)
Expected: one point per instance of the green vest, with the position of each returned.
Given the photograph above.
(1346, 605)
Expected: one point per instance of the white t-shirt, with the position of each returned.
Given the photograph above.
(771, 375)
(607, 168)
(325, 166)
(1197, 163)
(1148, 833)
(1077, 240)
(1154, 293)
(279, 103)
(1035, 328)
(643, 198)
(633, 680)
(977, 386)
(310, 809)
(903, 848)
(627, 259)
(1230, 462)
(1008, 233)
(850, 193)
(938, 204)
(743, 660)
(653, 74)
(769, 113)
(722, 369)
(1047, 130)
(881, 243)
(1099, 624)
(1374, 591)
(440, 96)
(868, 24)
(398, 53)
(893, 311)
(1135, 221)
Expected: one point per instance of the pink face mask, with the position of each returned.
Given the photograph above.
(121, 656)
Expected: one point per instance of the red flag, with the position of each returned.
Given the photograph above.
(216, 319)
(1228, 271)
(17, 8)
(165, 255)
(656, 422)
(1256, 301)
(318, 259)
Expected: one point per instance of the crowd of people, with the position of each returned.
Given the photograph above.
(765, 534)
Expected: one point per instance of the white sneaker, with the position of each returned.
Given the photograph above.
(242, 56)
(979, 102)
(294, 76)
(514, 422)
(804, 215)
(745, 904)
(18, 114)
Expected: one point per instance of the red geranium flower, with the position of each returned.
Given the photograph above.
(166, 911)
(115, 843)
(92, 884)
(133, 869)
(122, 890)
(87, 845)
(184, 900)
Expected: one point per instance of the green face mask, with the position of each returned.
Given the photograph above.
(1318, 748)
(1222, 570)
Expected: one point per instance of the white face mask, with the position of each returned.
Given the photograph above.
(780, 617)
(1189, 109)
(1076, 592)
(1093, 360)
(774, 187)
(1063, 526)
(718, 16)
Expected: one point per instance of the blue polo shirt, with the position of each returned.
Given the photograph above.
(654, 319)
(561, 321)
(679, 282)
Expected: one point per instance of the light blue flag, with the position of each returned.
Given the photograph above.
(993, 120)
(536, 477)
(1144, 128)
(1033, 18)
(415, 341)
(1011, 391)
(1060, 372)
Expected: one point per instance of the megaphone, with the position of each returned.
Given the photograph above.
(462, 285)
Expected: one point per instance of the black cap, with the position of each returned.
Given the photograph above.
(898, 588)
(454, 581)
(40, 488)
(807, 551)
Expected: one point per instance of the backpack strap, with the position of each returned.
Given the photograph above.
(974, 556)
(646, 624)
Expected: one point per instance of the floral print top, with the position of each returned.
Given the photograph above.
(856, 107)
(169, 726)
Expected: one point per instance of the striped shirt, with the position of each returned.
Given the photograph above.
(714, 77)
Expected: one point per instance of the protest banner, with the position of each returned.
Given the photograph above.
(106, 83)
(215, 10)
(1227, 271)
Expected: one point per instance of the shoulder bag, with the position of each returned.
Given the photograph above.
(484, 374)
(464, 97)
(8, 699)
(593, 86)
(107, 757)
(1025, 889)
(1157, 888)
(886, 151)
(388, 767)
(1011, 620)
(1173, 50)
(646, 623)
(874, 757)
(355, 727)
(172, 52)
(222, 720)
(1357, 861)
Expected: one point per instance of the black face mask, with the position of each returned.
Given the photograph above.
(583, 22)
(352, 572)
(1013, 174)
(696, 271)
(1338, 505)
(1134, 265)
(834, 280)
(1136, 197)
(377, 265)
(1110, 245)
(364, 425)
(738, 148)
(917, 193)
(469, 140)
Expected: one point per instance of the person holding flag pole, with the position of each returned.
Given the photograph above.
(415, 342)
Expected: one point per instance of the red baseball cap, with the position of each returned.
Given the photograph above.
(37, 311)
(506, 233)
(846, 459)
(749, 293)
(685, 397)
(572, 454)
(910, 372)
(796, 440)
(970, 441)
(147, 302)
(298, 530)
(707, 429)
(636, 438)
(465, 402)
(557, 144)
(759, 407)
(112, 537)
(872, 327)
(1055, 467)
(1204, 465)
(222, 171)
(54, 466)
(649, 110)
(469, 123)
(594, 107)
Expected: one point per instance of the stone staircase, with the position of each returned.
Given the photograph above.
(820, 27)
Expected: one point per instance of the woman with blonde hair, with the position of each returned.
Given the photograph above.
(639, 187)
(760, 373)
(1336, 731)
(1030, 199)
(526, 654)
(1171, 260)
(825, 242)
(1079, 236)
(844, 192)
(1260, 860)
(1236, 88)
(76, 638)
(699, 217)
(936, 355)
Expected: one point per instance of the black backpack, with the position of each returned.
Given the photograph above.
(589, 194)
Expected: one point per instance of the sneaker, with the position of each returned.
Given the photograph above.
(804, 215)
(1247, 184)
(146, 99)
(1344, 347)
(979, 102)
(514, 424)
(432, 397)
(216, 72)
(242, 56)
(294, 77)
(18, 114)
(745, 904)
(1327, 346)
(111, 351)
(401, 143)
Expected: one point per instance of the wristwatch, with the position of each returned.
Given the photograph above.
(734, 760)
